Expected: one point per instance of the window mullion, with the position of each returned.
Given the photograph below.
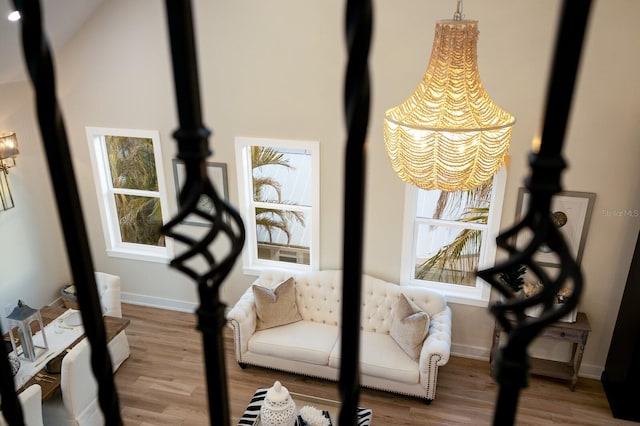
(277, 206)
(452, 224)
(136, 192)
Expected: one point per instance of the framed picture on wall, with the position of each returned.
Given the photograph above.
(217, 173)
(571, 213)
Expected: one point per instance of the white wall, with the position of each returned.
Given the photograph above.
(32, 254)
(275, 69)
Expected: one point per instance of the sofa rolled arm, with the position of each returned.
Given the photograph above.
(242, 319)
(435, 351)
(437, 345)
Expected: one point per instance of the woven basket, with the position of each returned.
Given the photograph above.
(70, 301)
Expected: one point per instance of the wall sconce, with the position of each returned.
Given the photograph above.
(8, 150)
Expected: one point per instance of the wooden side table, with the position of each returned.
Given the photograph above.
(573, 332)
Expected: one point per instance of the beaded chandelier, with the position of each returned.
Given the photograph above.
(449, 134)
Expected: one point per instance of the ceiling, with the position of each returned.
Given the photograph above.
(62, 19)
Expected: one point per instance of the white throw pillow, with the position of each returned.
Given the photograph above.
(276, 306)
(410, 326)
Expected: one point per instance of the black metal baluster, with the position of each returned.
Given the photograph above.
(11, 409)
(358, 31)
(40, 65)
(511, 367)
(192, 138)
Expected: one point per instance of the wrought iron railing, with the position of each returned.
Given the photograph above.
(193, 149)
(356, 103)
(512, 363)
(225, 222)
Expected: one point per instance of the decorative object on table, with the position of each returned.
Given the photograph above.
(513, 278)
(8, 150)
(311, 416)
(21, 318)
(14, 361)
(69, 296)
(570, 213)
(278, 408)
(251, 415)
(449, 134)
(522, 285)
(531, 289)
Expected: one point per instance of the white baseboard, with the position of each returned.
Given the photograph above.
(158, 302)
(588, 371)
(473, 352)
(57, 302)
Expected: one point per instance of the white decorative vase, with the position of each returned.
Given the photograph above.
(278, 409)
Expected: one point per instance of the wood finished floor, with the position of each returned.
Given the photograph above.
(163, 383)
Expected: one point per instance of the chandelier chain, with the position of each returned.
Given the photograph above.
(458, 15)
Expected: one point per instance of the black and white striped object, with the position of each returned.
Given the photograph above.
(252, 412)
(364, 416)
(250, 416)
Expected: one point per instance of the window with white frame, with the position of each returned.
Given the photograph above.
(449, 236)
(279, 192)
(132, 197)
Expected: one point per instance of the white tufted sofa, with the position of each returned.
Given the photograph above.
(312, 346)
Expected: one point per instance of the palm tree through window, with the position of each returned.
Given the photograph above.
(448, 236)
(448, 249)
(279, 180)
(132, 167)
(131, 190)
(282, 200)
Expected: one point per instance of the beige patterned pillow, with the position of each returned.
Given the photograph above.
(409, 327)
(276, 306)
